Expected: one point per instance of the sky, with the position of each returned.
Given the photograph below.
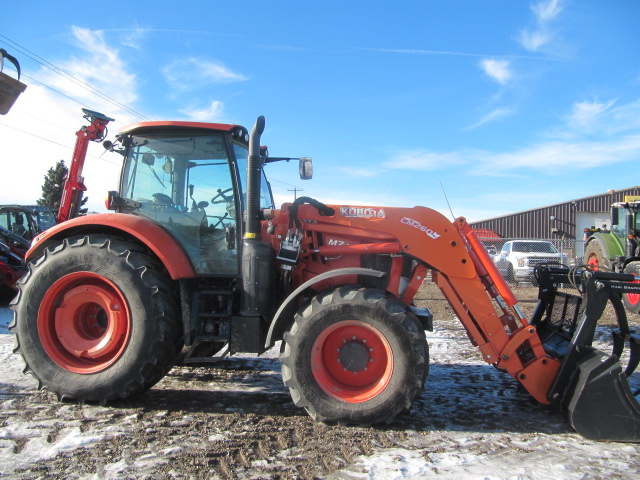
(477, 108)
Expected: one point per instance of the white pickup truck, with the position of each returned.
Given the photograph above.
(518, 258)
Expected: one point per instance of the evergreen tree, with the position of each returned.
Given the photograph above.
(53, 187)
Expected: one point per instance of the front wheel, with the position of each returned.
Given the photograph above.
(96, 319)
(596, 255)
(354, 355)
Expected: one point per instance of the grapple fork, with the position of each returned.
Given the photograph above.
(591, 388)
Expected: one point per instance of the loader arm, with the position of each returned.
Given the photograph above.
(74, 183)
(460, 267)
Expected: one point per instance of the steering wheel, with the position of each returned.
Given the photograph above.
(224, 199)
(162, 199)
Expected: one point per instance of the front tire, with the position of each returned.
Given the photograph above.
(596, 255)
(95, 319)
(354, 355)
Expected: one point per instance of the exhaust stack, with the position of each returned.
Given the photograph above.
(258, 264)
(254, 167)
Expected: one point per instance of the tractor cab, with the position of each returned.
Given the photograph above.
(27, 221)
(625, 225)
(190, 178)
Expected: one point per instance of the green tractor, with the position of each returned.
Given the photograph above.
(618, 249)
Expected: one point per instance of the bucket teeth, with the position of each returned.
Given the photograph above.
(619, 340)
(618, 343)
(634, 354)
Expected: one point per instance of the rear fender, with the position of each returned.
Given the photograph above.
(138, 229)
(283, 315)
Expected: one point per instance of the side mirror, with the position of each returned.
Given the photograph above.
(148, 159)
(306, 168)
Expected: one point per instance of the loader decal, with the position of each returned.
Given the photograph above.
(362, 212)
(416, 224)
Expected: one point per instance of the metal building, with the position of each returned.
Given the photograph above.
(561, 221)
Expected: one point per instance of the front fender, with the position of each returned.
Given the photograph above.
(278, 319)
(610, 242)
(139, 229)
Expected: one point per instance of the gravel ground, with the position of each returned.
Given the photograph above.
(235, 420)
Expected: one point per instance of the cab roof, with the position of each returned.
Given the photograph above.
(155, 125)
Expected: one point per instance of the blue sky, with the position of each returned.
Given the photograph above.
(506, 105)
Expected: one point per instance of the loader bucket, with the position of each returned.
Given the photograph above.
(10, 88)
(599, 404)
(590, 389)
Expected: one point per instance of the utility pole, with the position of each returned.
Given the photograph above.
(295, 191)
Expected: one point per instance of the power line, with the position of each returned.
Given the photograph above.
(54, 68)
(56, 143)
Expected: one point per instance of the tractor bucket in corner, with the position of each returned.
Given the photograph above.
(10, 88)
(591, 389)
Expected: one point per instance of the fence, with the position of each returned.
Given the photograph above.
(516, 258)
(573, 250)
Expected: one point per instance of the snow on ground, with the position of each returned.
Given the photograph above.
(472, 422)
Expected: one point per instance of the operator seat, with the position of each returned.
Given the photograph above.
(18, 226)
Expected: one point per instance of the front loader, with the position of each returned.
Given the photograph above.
(197, 257)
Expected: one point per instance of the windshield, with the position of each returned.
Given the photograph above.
(185, 183)
(534, 247)
(44, 219)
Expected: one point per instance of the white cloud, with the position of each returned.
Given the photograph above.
(192, 72)
(211, 114)
(534, 40)
(585, 114)
(133, 37)
(562, 157)
(618, 128)
(424, 160)
(358, 172)
(545, 12)
(498, 70)
(101, 67)
(491, 116)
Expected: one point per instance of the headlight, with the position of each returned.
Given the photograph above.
(522, 262)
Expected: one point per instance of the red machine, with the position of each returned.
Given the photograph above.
(196, 254)
(74, 184)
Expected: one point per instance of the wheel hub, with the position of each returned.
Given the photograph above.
(354, 356)
(352, 361)
(84, 323)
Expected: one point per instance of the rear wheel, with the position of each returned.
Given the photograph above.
(96, 319)
(596, 255)
(354, 355)
(632, 300)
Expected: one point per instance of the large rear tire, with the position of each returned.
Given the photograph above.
(354, 355)
(96, 319)
(596, 255)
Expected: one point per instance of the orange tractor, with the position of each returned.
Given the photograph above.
(197, 256)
